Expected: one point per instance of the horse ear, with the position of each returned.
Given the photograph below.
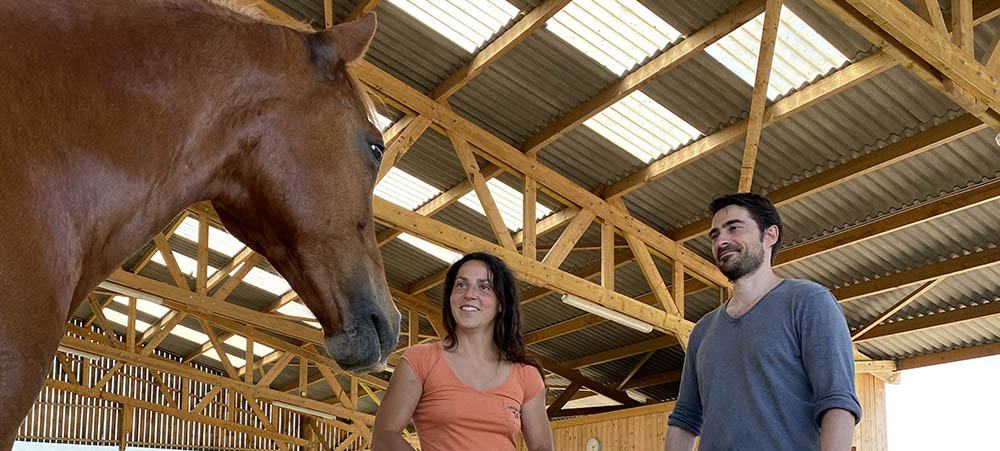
(351, 39)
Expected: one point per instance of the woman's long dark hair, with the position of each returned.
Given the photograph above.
(507, 327)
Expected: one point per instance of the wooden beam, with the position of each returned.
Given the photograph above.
(782, 109)
(607, 256)
(930, 11)
(162, 333)
(956, 355)
(893, 153)
(655, 379)
(401, 143)
(530, 197)
(758, 100)
(483, 193)
(669, 59)
(635, 369)
(574, 376)
(499, 47)
(570, 236)
(103, 322)
(991, 58)
(130, 333)
(564, 397)
(961, 25)
(677, 287)
(652, 274)
(327, 13)
(621, 352)
(414, 328)
(928, 322)
(957, 265)
(201, 280)
(168, 257)
(534, 272)
(363, 7)
(895, 308)
(276, 369)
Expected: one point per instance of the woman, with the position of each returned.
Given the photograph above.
(475, 389)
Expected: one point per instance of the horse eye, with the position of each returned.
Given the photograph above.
(377, 150)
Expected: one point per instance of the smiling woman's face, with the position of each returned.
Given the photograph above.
(473, 301)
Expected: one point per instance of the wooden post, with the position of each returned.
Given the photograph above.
(124, 425)
(870, 434)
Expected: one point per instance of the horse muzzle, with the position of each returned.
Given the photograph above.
(368, 337)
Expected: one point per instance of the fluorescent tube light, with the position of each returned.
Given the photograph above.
(607, 313)
(79, 353)
(111, 286)
(305, 410)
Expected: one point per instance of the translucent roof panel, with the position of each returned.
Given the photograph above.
(218, 240)
(441, 253)
(236, 361)
(509, 201)
(189, 334)
(142, 305)
(259, 350)
(466, 23)
(267, 281)
(298, 309)
(382, 122)
(122, 319)
(616, 33)
(187, 264)
(642, 127)
(800, 54)
(404, 189)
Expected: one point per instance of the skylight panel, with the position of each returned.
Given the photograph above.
(267, 281)
(800, 54)
(404, 189)
(298, 310)
(642, 127)
(187, 264)
(382, 122)
(441, 253)
(122, 319)
(618, 34)
(214, 355)
(509, 201)
(189, 334)
(240, 342)
(218, 240)
(468, 24)
(142, 305)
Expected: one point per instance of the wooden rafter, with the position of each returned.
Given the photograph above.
(755, 120)
(895, 308)
(961, 25)
(483, 192)
(956, 355)
(529, 242)
(928, 322)
(570, 236)
(363, 7)
(564, 397)
(930, 11)
(635, 369)
(621, 352)
(401, 143)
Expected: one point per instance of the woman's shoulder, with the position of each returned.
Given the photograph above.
(423, 351)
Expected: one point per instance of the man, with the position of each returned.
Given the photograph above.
(772, 368)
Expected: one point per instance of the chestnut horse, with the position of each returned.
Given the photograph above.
(115, 115)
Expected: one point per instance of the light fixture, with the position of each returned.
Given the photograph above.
(305, 410)
(607, 313)
(78, 353)
(111, 286)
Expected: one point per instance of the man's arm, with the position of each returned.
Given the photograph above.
(680, 439)
(836, 430)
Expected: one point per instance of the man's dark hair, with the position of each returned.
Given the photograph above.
(761, 210)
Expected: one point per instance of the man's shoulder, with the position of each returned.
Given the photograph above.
(801, 289)
(706, 320)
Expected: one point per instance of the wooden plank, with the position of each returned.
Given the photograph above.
(205, 400)
(896, 307)
(635, 369)
(607, 256)
(961, 25)
(677, 287)
(669, 59)
(216, 343)
(259, 413)
(621, 352)
(927, 322)
(130, 332)
(956, 355)
(327, 13)
(930, 11)
(223, 272)
(363, 7)
(575, 376)
(758, 100)
(499, 47)
(957, 265)
(529, 241)
(103, 321)
(168, 257)
(893, 153)
(233, 281)
(564, 397)
(201, 281)
(652, 274)
(338, 390)
(402, 143)
(991, 58)
(162, 334)
(276, 369)
(483, 192)
(248, 368)
(414, 328)
(655, 379)
(570, 236)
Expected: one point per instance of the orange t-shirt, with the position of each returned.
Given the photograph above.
(454, 416)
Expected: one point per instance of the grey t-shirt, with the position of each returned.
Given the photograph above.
(764, 380)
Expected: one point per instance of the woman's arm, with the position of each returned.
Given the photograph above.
(535, 424)
(396, 410)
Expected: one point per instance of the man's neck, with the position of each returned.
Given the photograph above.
(749, 289)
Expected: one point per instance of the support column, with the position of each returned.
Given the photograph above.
(871, 433)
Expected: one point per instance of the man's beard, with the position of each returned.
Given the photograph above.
(744, 262)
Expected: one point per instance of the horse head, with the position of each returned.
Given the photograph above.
(300, 194)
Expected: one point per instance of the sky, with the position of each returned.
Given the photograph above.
(954, 406)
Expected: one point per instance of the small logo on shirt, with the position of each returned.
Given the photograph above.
(515, 411)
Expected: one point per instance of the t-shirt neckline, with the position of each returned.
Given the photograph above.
(444, 360)
(725, 306)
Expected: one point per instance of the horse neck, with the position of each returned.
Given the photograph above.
(146, 174)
